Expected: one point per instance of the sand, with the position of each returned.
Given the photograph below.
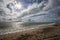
(44, 32)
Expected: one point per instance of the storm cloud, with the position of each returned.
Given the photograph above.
(27, 11)
(29, 7)
(51, 9)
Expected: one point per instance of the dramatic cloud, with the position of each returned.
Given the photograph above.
(51, 10)
(20, 9)
(27, 11)
(33, 9)
(11, 9)
(7, 10)
(52, 4)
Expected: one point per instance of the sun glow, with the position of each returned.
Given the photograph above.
(18, 5)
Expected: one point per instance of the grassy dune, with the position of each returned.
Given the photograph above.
(45, 32)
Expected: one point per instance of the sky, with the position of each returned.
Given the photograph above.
(26, 10)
